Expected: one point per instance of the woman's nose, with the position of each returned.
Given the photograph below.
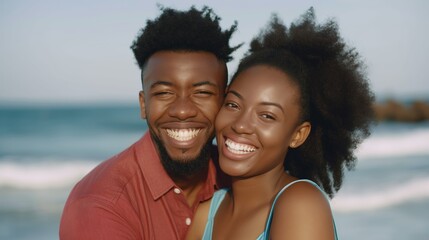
(243, 124)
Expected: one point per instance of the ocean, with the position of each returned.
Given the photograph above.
(45, 150)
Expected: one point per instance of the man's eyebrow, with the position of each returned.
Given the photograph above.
(204, 83)
(160, 83)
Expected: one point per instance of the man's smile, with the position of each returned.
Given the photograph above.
(183, 134)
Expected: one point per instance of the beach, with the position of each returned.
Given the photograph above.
(45, 150)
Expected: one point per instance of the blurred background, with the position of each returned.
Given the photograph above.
(69, 100)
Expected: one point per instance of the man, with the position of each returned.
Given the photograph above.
(151, 190)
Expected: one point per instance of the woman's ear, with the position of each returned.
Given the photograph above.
(300, 135)
(142, 105)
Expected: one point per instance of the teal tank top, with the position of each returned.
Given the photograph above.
(219, 196)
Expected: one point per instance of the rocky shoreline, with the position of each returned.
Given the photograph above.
(391, 110)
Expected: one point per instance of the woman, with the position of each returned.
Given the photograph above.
(294, 112)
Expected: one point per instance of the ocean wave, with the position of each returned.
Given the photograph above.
(410, 191)
(46, 174)
(411, 143)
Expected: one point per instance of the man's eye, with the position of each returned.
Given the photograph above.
(204, 93)
(160, 94)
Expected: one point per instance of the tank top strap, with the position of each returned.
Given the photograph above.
(217, 199)
(266, 232)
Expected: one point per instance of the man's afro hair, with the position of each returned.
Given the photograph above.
(192, 30)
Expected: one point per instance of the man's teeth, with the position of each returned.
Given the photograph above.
(182, 134)
(239, 148)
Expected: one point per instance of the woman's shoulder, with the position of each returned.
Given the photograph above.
(301, 206)
(301, 193)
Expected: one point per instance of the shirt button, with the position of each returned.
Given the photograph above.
(176, 190)
(188, 221)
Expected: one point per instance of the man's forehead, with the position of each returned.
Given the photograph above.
(195, 67)
(152, 83)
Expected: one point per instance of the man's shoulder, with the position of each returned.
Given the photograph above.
(108, 178)
(103, 194)
(94, 207)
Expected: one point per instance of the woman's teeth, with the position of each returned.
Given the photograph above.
(239, 148)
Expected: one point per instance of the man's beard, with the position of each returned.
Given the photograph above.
(183, 167)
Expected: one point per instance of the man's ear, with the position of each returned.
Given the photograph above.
(142, 105)
(300, 135)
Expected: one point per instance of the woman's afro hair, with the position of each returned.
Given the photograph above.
(192, 30)
(335, 95)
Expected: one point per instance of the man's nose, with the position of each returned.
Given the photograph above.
(183, 108)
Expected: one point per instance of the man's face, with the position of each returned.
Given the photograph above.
(183, 92)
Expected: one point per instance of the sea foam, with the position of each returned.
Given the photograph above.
(412, 143)
(39, 175)
(383, 198)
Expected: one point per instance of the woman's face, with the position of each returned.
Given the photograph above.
(259, 121)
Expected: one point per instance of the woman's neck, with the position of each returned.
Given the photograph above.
(257, 191)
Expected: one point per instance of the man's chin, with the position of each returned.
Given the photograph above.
(183, 156)
(185, 164)
(184, 159)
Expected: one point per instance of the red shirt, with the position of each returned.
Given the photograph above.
(130, 196)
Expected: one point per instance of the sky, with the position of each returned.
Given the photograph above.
(60, 52)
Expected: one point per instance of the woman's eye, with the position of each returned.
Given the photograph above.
(231, 105)
(268, 116)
